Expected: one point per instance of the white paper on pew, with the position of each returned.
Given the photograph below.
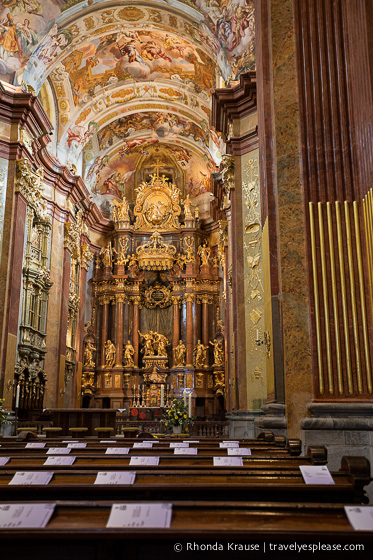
(143, 445)
(35, 445)
(316, 474)
(29, 477)
(228, 444)
(228, 462)
(4, 461)
(115, 477)
(175, 444)
(191, 441)
(58, 451)
(231, 441)
(62, 460)
(28, 516)
(77, 445)
(117, 451)
(70, 441)
(140, 515)
(239, 451)
(185, 451)
(360, 517)
(151, 461)
(108, 441)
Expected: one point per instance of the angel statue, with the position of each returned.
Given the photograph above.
(200, 354)
(128, 355)
(218, 353)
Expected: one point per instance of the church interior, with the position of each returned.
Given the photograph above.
(186, 220)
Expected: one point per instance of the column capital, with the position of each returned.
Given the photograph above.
(189, 298)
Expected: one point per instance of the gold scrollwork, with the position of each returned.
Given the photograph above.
(157, 296)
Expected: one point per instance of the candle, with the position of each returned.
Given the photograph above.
(257, 334)
(184, 397)
(17, 395)
(162, 395)
(189, 405)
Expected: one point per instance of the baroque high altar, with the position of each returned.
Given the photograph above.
(156, 331)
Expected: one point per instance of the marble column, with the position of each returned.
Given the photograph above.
(189, 298)
(105, 302)
(136, 326)
(120, 299)
(205, 300)
(176, 325)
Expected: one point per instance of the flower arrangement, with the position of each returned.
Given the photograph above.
(177, 415)
(3, 413)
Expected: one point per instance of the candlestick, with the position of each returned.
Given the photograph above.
(162, 396)
(17, 395)
(189, 405)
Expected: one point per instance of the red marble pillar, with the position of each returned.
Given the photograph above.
(136, 326)
(205, 300)
(189, 298)
(104, 301)
(176, 325)
(120, 299)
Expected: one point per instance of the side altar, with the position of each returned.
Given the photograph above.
(156, 332)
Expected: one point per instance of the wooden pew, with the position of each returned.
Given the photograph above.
(78, 530)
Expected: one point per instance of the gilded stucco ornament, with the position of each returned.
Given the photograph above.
(30, 184)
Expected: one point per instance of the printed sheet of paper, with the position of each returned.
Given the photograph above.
(58, 451)
(117, 451)
(228, 462)
(231, 441)
(144, 461)
(191, 441)
(4, 461)
(108, 441)
(140, 515)
(27, 516)
(115, 477)
(77, 445)
(239, 451)
(143, 445)
(71, 441)
(360, 517)
(60, 460)
(185, 451)
(30, 477)
(316, 474)
(35, 445)
(228, 444)
(175, 444)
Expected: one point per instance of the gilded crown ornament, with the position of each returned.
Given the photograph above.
(155, 254)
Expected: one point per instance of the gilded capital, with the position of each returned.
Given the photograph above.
(121, 298)
(86, 256)
(136, 300)
(104, 300)
(189, 298)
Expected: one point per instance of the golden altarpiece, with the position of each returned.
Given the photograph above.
(155, 332)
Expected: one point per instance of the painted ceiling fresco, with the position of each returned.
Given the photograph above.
(131, 81)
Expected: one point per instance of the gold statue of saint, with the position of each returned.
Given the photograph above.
(121, 210)
(109, 354)
(204, 252)
(148, 349)
(128, 355)
(162, 343)
(200, 354)
(88, 354)
(106, 255)
(179, 353)
(187, 208)
(218, 353)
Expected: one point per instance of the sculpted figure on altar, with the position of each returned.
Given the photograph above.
(187, 208)
(179, 353)
(109, 354)
(204, 252)
(162, 343)
(200, 354)
(218, 353)
(121, 210)
(106, 255)
(128, 355)
(148, 338)
(88, 354)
